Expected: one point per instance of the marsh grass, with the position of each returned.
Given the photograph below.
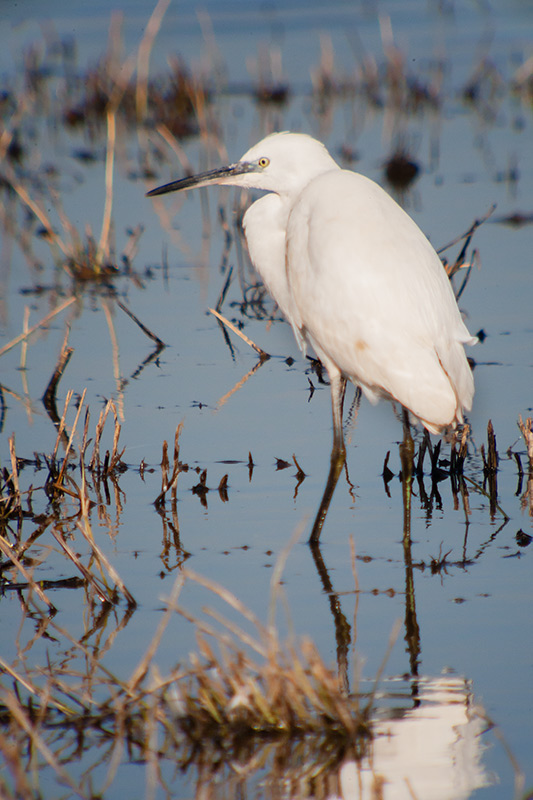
(103, 100)
(242, 697)
(244, 700)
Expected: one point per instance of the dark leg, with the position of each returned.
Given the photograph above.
(412, 631)
(342, 626)
(338, 455)
(407, 454)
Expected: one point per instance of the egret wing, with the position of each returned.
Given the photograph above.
(374, 299)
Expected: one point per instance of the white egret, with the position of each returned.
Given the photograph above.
(356, 278)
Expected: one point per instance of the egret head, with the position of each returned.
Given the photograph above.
(282, 162)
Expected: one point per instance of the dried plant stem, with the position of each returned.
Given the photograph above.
(14, 468)
(102, 559)
(138, 322)
(116, 355)
(10, 555)
(232, 601)
(30, 687)
(24, 348)
(18, 714)
(526, 429)
(42, 323)
(95, 459)
(166, 484)
(49, 396)
(103, 245)
(239, 333)
(143, 57)
(239, 384)
(142, 667)
(467, 235)
(89, 577)
(71, 437)
(277, 572)
(41, 216)
(175, 146)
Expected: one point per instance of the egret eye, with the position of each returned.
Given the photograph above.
(264, 162)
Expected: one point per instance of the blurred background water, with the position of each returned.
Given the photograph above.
(473, 150)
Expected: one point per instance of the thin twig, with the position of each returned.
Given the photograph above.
(44, 321)
(142, 667)
(143, 57)
(242, 335)
(69, 445)
(34, 586)
(138, 322)
(103, 245)
(239, 384)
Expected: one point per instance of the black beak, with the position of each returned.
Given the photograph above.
(221, 175)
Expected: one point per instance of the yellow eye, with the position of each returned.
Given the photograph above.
(264, 162)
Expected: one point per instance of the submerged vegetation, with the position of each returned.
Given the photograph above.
(246, 700)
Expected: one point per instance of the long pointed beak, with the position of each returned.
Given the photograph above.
(221, 175)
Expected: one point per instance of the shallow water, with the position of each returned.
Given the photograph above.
(473, 613)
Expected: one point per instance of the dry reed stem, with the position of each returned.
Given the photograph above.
(151, 749)
(526, 429)
(24, 346)
(95, 460)
(33, 585)
(176, 148)
(14, 468)
(71, 437)
(277, 572)
(23, 336)
(40, 214)
(171, 484)
(23, 789)
(223, 400)
(222, 638)
(100, 556)
(75, 240)
(30, 687)
(138, 322)
(49, 396)
(62, 421)
(230, 599)
(237, 632)
(142, 667)
(356, 605)
(125, 73)
(26, 724)
(143, 57)
(392, 641)
(239, 333)
(116, 358)
(89, 577)
(94, 663)
(103, 244)
(467, 236)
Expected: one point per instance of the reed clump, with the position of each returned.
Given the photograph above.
(241, 695)
(114, 97)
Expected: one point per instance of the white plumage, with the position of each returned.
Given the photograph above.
(356, 278)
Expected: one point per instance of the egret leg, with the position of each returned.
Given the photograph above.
(342, 626)
(338, 454)
(412, 630)
(407, 455)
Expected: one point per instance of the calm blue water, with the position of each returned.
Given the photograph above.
(475, 620)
